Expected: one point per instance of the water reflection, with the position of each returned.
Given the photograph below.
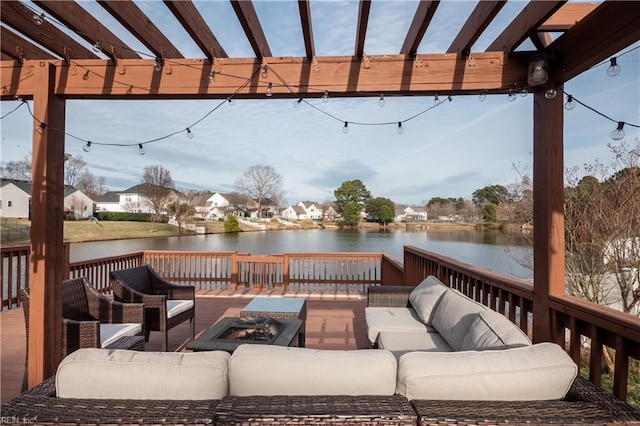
(488, 249)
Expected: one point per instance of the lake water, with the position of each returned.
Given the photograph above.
(487, 249)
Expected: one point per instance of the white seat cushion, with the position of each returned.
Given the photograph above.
(492, 330)
(276, 370)
(123, 374)
(395, 319)
(109, 333)
(453, 317)
(175, 307)
(538, 372)
(399, 342)
(425, 297)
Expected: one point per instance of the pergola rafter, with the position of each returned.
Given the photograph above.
(588, 35)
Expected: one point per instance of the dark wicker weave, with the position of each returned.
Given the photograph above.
(143, 285)
(585, 404)
(315, 410)
(388, 296)
(83, 309)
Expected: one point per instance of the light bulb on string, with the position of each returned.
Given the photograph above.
(38, 19)
(325, 96)
(618, 133)
(157, 64)
(511, 97)
(269, 91)
(614, 69)
(345, 128)
(297, 102)
(482, 96)
(87, 147)
(212, 77)
(436, 101)
(523, 93)
(550, 93)
(231, 101)
(450, 98)
(569, 105)
(265, 69)
(141, 149)
(400, 129)
(190, 134)
(381, 101)
(97, 47)
(40, 128)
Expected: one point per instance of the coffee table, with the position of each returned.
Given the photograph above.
(279, 308)
(210, 339)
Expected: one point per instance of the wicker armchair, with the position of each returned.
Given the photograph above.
(85, 312)
(166, 305)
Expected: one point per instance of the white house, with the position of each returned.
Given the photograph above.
(303, 210)
(15, 200)
(129, 200)
(414, 214)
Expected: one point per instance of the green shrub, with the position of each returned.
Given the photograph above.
(231, 224)
(125, 216)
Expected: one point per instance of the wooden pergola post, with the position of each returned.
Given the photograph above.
(548, 213)
(47, 251)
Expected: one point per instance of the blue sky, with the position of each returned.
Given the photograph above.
(450, 151)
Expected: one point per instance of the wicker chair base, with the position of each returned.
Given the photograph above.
(315, 410)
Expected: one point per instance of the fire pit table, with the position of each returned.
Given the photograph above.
(279, 308)
(231, 332)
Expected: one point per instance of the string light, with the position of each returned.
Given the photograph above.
(614, 69)
(40, 128)
(618, 133)
(141, 149)
(569, 105)
(97, 47)
(400, 129)
(550, 93)
(212, 77)
(231, 101)
(297, 102)
(482, 96)
(325, 96)
(381, 101)
(450, 98)
(269, 91)
(511, 97)
(436, 101)
(265, 69)
(190, 134)
(38, 19)
(345, 128)
(87, 147)
(158, 63)
(524, 93)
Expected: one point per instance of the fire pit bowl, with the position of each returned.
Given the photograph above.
(252, 329)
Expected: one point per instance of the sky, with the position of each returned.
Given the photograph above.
(449, 151)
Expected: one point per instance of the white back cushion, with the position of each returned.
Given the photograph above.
(110, 332)
(492, 330)
(453, 317)
(277, 370)
(123, 374)
(539, 372)
(175, 307)
(425, 297)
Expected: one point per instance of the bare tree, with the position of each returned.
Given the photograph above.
(181, 211)
(260, 182)
(93, 187)
(156, 186)
(19, 170)
(74, 168)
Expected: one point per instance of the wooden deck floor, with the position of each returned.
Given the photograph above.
(333, 322)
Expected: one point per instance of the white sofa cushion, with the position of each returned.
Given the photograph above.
(425, 297)
(109, 333)
(539, 372)
(400, 342)
(396, 319)
(492, 330)
(276, 370)
(175, 307)
(123, 374)
(453, 317)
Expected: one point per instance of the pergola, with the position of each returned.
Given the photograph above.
(67, 69)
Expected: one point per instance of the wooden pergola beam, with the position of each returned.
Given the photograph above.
(590, 42)
(18, 48)
(138, 24)
(195, 25)
(20, 18)
(86, 26)
(364, 8)
(528, 20)
(567, 16)
(481, 17)
(248, 18)
(421, 20)
(307, 29)
(136, 78)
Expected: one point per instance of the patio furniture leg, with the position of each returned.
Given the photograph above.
(165, 341)
(193, 328)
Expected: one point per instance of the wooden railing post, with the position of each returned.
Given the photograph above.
(234, 272)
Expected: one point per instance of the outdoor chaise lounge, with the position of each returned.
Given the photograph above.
(165, 304)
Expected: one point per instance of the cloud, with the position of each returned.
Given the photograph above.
(342, 171)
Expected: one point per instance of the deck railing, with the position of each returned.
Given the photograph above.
(14, 272)
(580, 326)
